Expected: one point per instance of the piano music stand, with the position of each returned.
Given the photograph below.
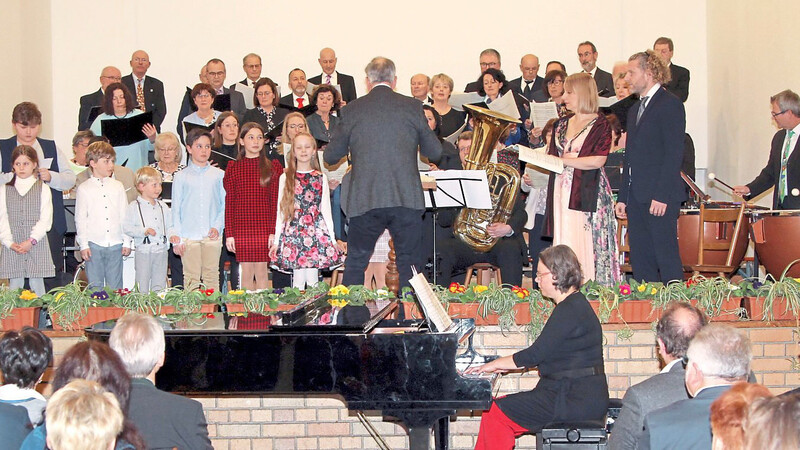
(456, 189)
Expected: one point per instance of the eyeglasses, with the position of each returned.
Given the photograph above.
(556, 82)
(488, 64)
(203, 96)
(776, 114)
(253, 66)
(216, 74)
(264, 94)
(542, 274)
(685, 361)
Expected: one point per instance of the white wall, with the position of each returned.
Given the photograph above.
(182, 35)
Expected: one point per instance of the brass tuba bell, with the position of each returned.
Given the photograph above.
(470, 225)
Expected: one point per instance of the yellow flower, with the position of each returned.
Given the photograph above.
(480, 288)
(653, 291)
(641, 288)
(27, 295)
(520, 294)
(797, 280)
(58, 296)
(237, 292)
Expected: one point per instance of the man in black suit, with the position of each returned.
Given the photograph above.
(251, 64)
(215, 74)
(298, 98)
(489, 59)
(382, 131)
(718, 356)
(652, 190)
(679, 85)
(587, 55)
(420, 88)
(674, 331)
(530, 82)
(164, 420)
(782, 171)
(327, 60)
(148, 91)
(109, 75)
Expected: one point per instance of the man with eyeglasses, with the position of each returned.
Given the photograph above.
(327, 61)
(148, 91)
(489, 59)
(110, 74)
(215, 73)
(251, 64)
(783, 168)
(587, 56)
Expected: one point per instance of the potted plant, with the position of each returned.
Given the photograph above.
(74, 306)
(19, 308)
(777, 299)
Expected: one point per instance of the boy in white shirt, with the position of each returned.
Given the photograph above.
(99, 214)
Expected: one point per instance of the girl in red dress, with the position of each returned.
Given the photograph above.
(251, 202)
(304, 239)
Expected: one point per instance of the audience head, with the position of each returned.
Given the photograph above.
(381, 70)
(297, 82)
(580, 93)
(559, 270)
(729, 411)
(83, 415)
(547, 131)
(645, 69)
(529, 66)
(327, 60)
(117, 100)
(203, 76)
(555, 65)
(265, 94)
(419, 86)
(148, 183)
(80, 142)
(110, 74)
(773, 423)
(553, 85)
(140, 62)
(251, 63)
(441, 87)
(24, 356)
(26, 119)
(718, 354)
(434, 118)
(463, 143)
(677, 327)
(587, 55)
(226, 130)
(492, 83)
(326, 97)
(216, 73)
(489, 59)
(139, 339)
(664, 48)
(203, 96)
(622, 88)
(167, 148)
(619, 70)
(293, 124)
(101, 157)
(786, 109)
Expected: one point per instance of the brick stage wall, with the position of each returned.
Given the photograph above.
(262, 423)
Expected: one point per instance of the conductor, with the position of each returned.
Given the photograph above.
(382, 131)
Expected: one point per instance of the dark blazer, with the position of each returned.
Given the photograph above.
(679, 85)
(346, 82)
(237, 106)
(167, 420)
(472, 86)
(605, 82)
(14, 425)
(516, 87)
(382, 132)
(654, 151)
(88, 101)
(770, 174)
(684, 424)
(254, 115)
(153, 97)
(641, 399)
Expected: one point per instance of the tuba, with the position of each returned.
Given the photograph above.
(470, 225)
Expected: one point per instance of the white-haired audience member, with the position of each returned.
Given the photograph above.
(773, 423)
(164, 420)
(83, 415)
(718, 356)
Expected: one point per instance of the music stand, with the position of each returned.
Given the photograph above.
(456, 189)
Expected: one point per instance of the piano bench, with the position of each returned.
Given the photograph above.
(478, 270)
(590, 435)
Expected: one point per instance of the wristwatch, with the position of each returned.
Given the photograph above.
(33, 241)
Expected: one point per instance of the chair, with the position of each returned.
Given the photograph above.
(725, 238)
(480, 269)
(624, 247)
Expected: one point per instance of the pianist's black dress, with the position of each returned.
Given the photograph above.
(571, 342)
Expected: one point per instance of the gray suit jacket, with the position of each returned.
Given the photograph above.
(641, 399)
(685, 424)
(382, 132)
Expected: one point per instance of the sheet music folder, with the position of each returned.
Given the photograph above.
(126, 131)
(432, 308)
(459, 189)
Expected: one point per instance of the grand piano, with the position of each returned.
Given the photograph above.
(401, 369)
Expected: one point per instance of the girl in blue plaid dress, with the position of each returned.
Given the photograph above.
(304, 240)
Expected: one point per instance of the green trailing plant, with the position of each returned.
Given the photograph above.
(787, 288)
(540, 310)
(17, 298)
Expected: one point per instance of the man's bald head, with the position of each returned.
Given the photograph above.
(140, 62)
(677, 327)
(529, 66)
(327, 60)
(110, 74)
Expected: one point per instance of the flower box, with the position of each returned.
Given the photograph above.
(21, 317)
(235, 308)
(780, 309)
(94, 314)
(204, 309)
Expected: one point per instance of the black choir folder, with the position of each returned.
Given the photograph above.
(126, 131)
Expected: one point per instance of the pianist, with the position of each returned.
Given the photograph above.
(568, 354)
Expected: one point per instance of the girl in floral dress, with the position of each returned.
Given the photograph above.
(304, 239)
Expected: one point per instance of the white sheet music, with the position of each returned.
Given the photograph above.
(432, 308)
(540, 159)
(506, 105)
(458, 188)
(605, 102)
(457, 101)
(543, 112)
(454, 137)
(247, 93)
